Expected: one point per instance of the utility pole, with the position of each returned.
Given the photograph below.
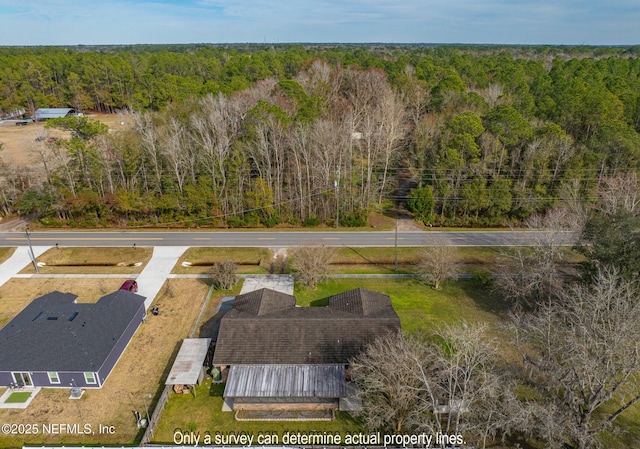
(146, 407)
(337, 187)
(395, 256)
(31, 253)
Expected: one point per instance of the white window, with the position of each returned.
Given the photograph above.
(54, 378)
(90, 378)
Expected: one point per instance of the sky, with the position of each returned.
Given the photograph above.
(90, 22)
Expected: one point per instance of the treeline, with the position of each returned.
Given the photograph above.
(305, 135)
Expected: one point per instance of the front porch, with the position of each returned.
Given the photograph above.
(18, 397)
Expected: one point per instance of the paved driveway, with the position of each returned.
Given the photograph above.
(152, 277)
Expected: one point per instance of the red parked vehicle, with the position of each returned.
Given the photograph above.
(130, 285)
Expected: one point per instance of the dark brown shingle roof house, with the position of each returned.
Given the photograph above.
(265, 327)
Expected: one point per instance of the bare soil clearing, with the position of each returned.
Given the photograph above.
(17, 139)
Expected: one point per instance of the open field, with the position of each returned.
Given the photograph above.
(80, 260)
(18, 143)
(141, 370)
(17, 140)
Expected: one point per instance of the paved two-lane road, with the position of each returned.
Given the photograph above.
(277, 239)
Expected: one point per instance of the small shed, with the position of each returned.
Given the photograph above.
(188, 369)
(47, 113)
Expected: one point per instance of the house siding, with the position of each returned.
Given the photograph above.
(41, 379)
(5, 378)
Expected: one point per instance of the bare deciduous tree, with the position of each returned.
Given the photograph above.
(621, 192)
(143, 125)
(581, 355)
(311, 264)
(438, 262)
(223, 274)
(447, 384)
(533, 273)
(387, 390)
(572, 195)
(175, 151)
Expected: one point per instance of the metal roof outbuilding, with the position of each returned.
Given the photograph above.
(188, 366)
(47, 113)
(288, 381)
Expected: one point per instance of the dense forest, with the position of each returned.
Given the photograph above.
(305, 135)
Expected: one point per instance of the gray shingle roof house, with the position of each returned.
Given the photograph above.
(56, 342)
(47, 113)
(269, 344)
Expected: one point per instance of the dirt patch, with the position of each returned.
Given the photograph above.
(12, 224)
(406, 224)
(17, 140)
(141, 370)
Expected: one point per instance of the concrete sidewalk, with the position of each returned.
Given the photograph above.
(157, 271)
(18, 260)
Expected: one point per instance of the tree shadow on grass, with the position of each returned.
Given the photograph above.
(484, 297)
(211, 327)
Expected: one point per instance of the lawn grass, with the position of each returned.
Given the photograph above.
(249, 260)
(18, 397)
(203, 413)
(372, 260)
(381, 260)
(630, 422)
(419, 306)
(5, 253)
(92, 260)
(141, 370)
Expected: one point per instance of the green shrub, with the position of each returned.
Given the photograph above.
(354, 220)
(312, 222)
